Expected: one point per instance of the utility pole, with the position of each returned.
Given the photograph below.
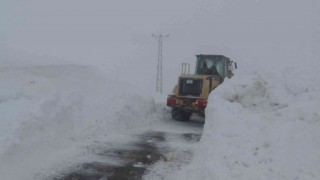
(160, 39)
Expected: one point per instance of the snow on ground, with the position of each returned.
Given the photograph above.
(262, 124)
(49, 114)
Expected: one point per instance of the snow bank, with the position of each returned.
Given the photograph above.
(50, 113)
(262, 125)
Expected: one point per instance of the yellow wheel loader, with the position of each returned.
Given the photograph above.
(191, 93)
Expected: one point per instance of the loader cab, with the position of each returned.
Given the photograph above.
(214, 65)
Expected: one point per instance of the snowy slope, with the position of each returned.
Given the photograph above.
(261, 126)
(49, 114)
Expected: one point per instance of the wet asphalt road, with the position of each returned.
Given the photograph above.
(149, 148)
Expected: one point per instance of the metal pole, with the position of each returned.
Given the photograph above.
(159, 65)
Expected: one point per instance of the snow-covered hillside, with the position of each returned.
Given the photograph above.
(49, 114)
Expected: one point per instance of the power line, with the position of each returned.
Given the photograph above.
(160, 39)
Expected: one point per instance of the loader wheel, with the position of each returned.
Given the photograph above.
(180, 115)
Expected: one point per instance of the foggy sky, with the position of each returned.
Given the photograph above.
(116, 35)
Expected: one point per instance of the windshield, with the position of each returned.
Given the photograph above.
(211, 66)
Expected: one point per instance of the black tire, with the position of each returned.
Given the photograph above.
(186, 116)
(180, 115)
(176, 114)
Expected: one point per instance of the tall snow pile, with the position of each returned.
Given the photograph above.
(262, 125)
(50, 114)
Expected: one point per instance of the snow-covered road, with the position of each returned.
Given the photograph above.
(150, 155)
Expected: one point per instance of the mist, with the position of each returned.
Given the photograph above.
(115, 36)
